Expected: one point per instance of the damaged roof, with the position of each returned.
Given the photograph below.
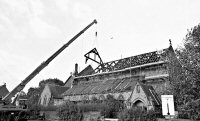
(87, 84)
(137, 60)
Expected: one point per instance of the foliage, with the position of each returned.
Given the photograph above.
(51, 81)
(193, 109)
(137, 114)
(186, 88)
(108, 107)
(33, 94)
(111, 107)
(48, 108)
(70, 112)
(87, 107)
(34, 111)
(151, 115)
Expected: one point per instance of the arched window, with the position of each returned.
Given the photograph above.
(121, 97)
(45, 100)
(102, 97)
(86, 97)
(138, 88)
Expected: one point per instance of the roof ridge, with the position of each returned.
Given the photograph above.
(132, 61)
(138, 55)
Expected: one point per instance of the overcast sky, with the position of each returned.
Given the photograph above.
(32, 30)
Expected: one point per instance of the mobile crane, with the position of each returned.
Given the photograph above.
(10, 112)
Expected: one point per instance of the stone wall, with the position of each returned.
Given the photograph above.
(156, 75)
(45, 96)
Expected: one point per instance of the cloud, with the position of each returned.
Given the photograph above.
(62, 5)
(28, 26)
(42, 29)
(82, 11)
(5, 20)
(11, 68)
(37, 7)
(7, 28)
(20, 17)
(17, 7)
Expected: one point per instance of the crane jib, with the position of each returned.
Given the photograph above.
(20, 87)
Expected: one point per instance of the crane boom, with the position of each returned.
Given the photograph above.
(21, 86)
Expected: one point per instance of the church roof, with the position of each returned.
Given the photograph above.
(86, 71)
(142, 59)
(3, 90)
(84, 85)
(102, 87)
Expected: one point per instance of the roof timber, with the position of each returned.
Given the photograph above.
(126, 69)
(132, 61)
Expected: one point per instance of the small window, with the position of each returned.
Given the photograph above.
(138, 88)
(44, 102)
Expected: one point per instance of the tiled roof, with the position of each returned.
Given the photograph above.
(101, 87)
(56, 90)
(150, 92)
(137, 60)
(3, 90)
(83, 86)
(86, 71)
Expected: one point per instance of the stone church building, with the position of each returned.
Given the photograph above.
(137, 81)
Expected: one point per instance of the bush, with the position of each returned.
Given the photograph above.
(87, 107)
(151, 115)
(43, 108)
(108, 108)
(70, 112)
(111, 107)
(48, 108)
(137, 114)
(183, 114)
(191, 110)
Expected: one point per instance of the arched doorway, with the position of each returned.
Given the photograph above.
(140, 104)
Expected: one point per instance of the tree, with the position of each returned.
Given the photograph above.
(51, 81)
(33, 97)
(137, 114)
(112, 107)
(70, 112)
(186, 88)
(33, 94)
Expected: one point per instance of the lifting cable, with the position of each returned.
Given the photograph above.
(95, 40)
(96, 37)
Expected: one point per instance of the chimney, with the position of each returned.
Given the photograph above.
(76, 70)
